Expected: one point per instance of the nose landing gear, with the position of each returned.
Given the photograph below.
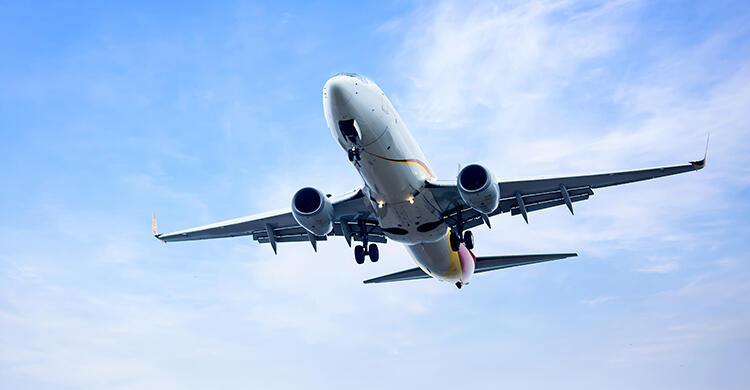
(354, 154)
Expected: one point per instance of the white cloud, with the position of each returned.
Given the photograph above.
(494, 83)
(508, 58)
(597, 300)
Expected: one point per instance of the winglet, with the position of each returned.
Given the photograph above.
(156, 232)
(702, 163)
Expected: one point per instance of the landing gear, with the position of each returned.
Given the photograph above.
(455, 241)
(469, 240)
(354, 154)
(459, 235)
(373, 252)
(459, 285)
(360, 253)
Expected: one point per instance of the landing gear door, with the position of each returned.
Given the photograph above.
(350, 130)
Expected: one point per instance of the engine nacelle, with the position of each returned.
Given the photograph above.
(313, 211)
(478, 188)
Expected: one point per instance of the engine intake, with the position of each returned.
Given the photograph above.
(478, 188)
(313, 211)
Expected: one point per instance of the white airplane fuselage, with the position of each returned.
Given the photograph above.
(394, 171)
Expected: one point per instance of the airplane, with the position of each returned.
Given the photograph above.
(402, 200)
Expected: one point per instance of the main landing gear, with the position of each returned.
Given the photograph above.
(360, 251)
(467, 239)
(460, 236)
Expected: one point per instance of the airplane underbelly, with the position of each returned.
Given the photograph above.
(437, 260)
(412, 222)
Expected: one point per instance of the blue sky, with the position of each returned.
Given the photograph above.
(207, 112)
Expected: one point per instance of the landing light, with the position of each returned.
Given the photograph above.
(380, 204)
(410, 199)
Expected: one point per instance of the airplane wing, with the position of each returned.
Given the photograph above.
(280, 226)
(524, 196)
(483, 264)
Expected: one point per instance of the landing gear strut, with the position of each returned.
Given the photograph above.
(361, 251)
(460, 236)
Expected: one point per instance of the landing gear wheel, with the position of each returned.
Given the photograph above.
(357, 154)
(459, 285)
(350, 154)
(455, 241)
(373, 252)
(359, 254)
(469, 240)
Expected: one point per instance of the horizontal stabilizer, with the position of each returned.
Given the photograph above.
(491, 263)
(484, 264)
(409, 274)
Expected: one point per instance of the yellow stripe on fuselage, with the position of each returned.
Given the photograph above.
(412, 162)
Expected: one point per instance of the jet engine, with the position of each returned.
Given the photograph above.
(478, 188)
(313, 211)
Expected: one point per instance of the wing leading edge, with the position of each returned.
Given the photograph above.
(524, 196)
(352, 221)
(483, 264)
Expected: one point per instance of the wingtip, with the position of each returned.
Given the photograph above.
(153, 225)
(699, 164)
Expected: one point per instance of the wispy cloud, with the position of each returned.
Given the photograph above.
(597, 300)
(662, 268)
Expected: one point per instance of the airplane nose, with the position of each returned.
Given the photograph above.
(339, 89)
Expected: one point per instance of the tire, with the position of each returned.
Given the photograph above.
(374, 253)
(469, 240)
(350, 154)
(359, 254)
(454, 241)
